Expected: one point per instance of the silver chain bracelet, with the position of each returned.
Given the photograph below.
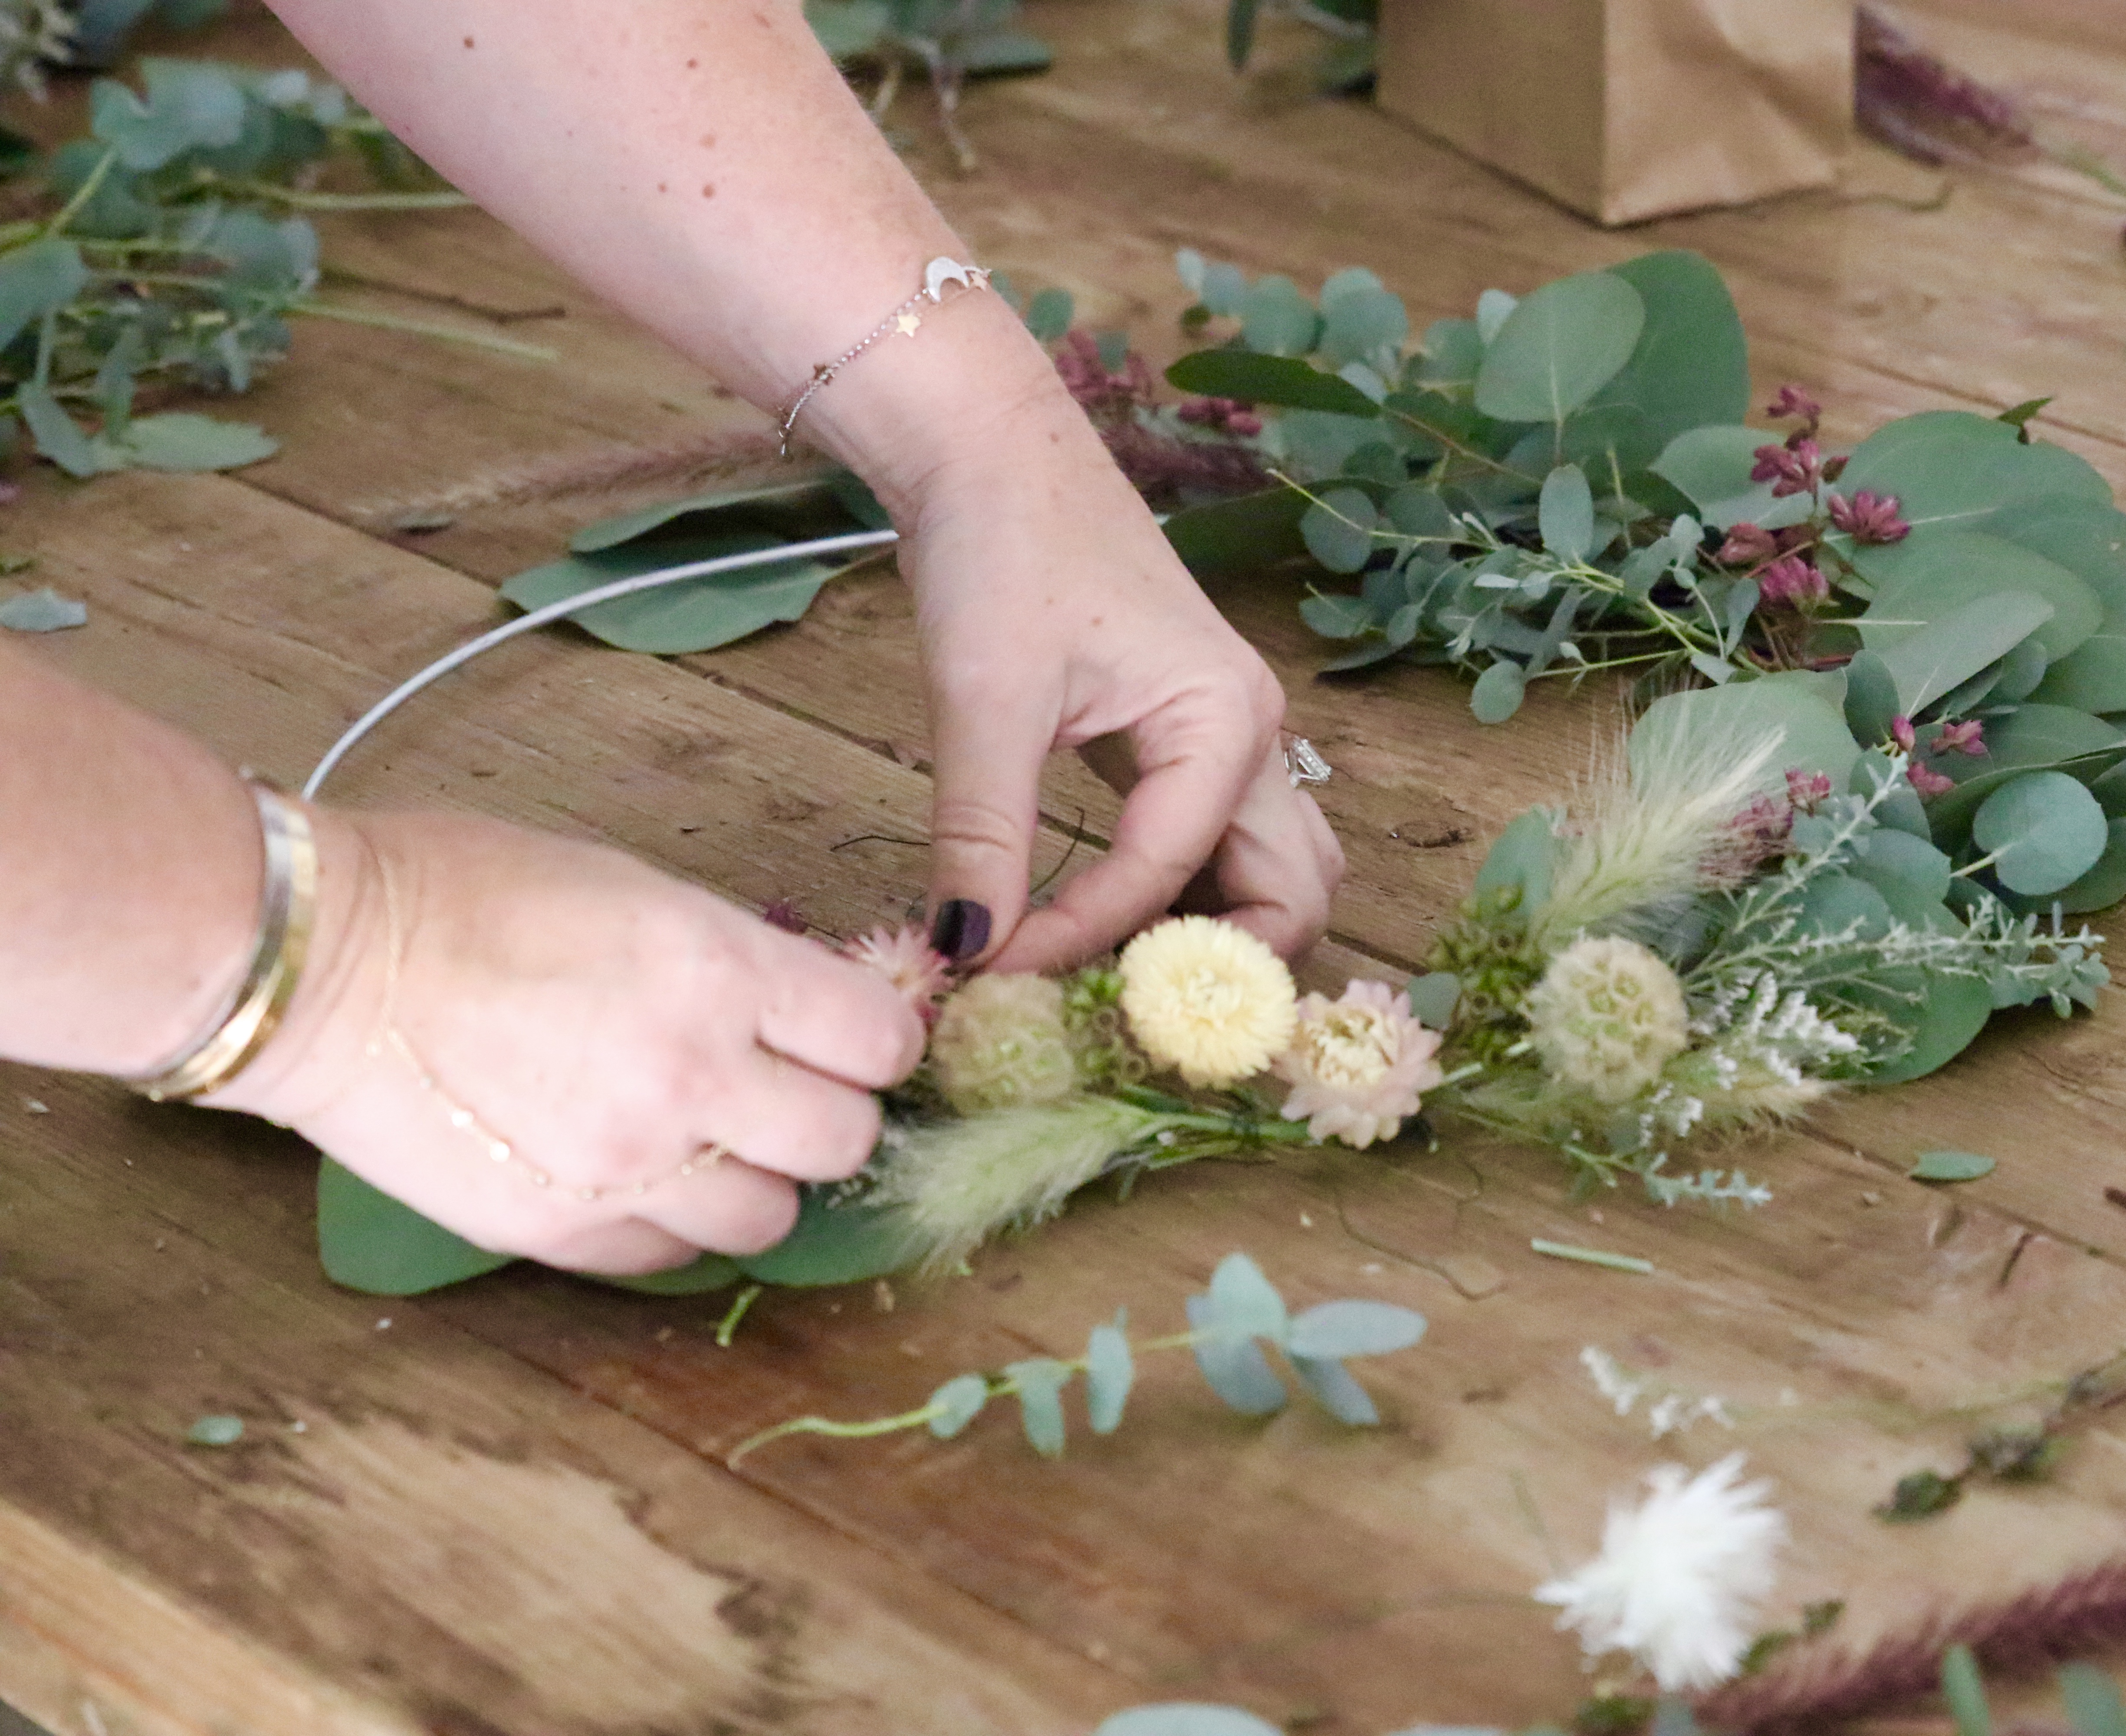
(906, 319)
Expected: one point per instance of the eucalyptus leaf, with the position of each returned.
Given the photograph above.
(1712, 466)
(1524, 857)
(1453, 352)
(1235, 1367)
(1247, 531)
(216, 1431)
(631, 527)
(1432, 998)
(1275, 320)
(1110, 1372)
(847, 1242)
(1253, 378)
(1691, 366)
(1965, 1693)
(36, 279)
(1799, 707)
(1244, 1303)
(58, 436)
(1953, 568)
(1872, 703)
(1331, 1386)
(2104, 885)
(1927, 661)
(1560, 345)
(957, 1403)
(1954, 1011)
(1950, 1166)
(177, 440)
(1353, 1328)
(1339, 529)
(1039, 1381)
(705, 1273)
(694, 615)
(42, 611)
(1493, 305)
(2045, 830)
(2090, 1700)
(1338, 617)
(1048, 315)
(1360, 320)
(1498, 692)
(1565, 514)
(1887, 857)
(370, 1241)
(2033, 737)
(1185, 1718)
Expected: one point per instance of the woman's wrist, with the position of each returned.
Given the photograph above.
(970, 393)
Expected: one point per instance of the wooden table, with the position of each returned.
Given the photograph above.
(506, 1508)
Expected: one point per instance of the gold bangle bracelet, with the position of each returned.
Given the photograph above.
(248, 1018)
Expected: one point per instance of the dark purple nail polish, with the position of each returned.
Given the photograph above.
(961, 929)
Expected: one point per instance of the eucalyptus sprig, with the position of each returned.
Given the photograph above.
(1228, 1324)
(174, 253)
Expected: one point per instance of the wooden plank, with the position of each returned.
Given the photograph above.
(415, 1533)
(1315, 1571)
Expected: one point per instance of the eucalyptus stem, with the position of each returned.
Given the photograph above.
(298, 199)
(82, 194)
(424, 329)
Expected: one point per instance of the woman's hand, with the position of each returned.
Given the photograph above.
(1053, 613)
(608, 1024)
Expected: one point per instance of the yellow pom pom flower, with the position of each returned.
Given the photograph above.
(1607, 1017)
(1207, 999)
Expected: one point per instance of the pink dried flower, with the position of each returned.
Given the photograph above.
(1746, 545)
(782, 914)
(1792, 581)
(1358, 1066)
(1915, 102)
(1793, 469)
(1760, 831)
(1793, 401)
(1244, 423)
(1902, 733)
(1928, 782)
(1870, 517)
(906, 958)
(1103, 392)
(1967, 737)
(1808, 790)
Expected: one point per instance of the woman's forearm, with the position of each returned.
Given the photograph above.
(702, 164)
(130, 876)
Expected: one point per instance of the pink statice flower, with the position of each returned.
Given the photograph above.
(1792, 581)
(1793, 469)
(783, 913)
(1967, 737)
(1752, 838)
(1870, 517)
(1226, 415)
(1928, 782)
(1793, 401)
(1358, 1066)
(1746, 545)
(906, 959)
(1808, 791)
(1902, 733)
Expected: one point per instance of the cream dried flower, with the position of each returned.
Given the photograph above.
(1207, 999)
(906, 959)
(1607, 1017)
(1679, 1576)
(1000, 1042)
(1357, 1066)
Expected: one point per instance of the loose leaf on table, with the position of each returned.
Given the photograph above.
(834, 1242)
(1950, 1166)
(179, 441)
(216, 1431)
(2045, 830)
(1560, 345)
(1039, 1382)
(694, 615)
(1353, 1328)
(818, 506)
(1498, 692)
(1235, 1366)
(957, 1403)
(1110, 1372)
(1185, 1718)
(1243, 1303)
(42, 611)
(1332, 1386)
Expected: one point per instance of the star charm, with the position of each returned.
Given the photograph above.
(906, 323)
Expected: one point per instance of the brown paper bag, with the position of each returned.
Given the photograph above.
(1630, 109)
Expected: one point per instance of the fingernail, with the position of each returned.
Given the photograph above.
(961, 929)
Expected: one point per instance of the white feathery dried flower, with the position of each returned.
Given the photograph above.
(1207, 999)
(1607, 1017)
(906, 958)
(1680, 1575)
